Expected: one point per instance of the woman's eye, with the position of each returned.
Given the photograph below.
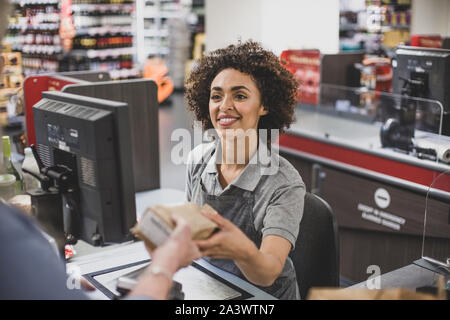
(240, 96)
(215, 97)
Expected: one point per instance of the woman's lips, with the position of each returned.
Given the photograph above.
(226, 122)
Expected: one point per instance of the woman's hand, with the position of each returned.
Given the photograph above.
(228, 243)
(260, 266)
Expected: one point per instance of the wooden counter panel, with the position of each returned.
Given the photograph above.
(361, 248)
(353, 201)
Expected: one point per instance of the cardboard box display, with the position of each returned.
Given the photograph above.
(3, 117)
(395, 37)
(6, 93)
(366, 294)
(3, 81)
(7, 70)
(5, 47)
(12, 58)
(15, 81)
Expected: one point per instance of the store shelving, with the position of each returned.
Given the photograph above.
(33, 31)
(110, 35)
(374, 24)
(104, 32)
(152, 26)
(104, 35)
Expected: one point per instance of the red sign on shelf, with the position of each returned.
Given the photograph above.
(33, 88)
(305, 66)
(427, 41)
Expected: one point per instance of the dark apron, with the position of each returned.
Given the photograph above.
(237, 206)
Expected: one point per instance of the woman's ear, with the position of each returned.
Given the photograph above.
(263, 111)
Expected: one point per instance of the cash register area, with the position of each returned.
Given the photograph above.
(196, 284)
(99, 265)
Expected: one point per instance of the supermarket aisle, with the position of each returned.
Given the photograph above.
(172, 117)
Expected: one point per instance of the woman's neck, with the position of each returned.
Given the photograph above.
(238, 149)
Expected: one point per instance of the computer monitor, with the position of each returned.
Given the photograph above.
(91, 138)
(141, 97)
(427, 73)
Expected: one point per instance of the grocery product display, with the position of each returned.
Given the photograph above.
(11, 82)
(33, 31)
(372, 24)
(103, 35)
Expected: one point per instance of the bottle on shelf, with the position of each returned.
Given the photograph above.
(9, 166)
(30, 163)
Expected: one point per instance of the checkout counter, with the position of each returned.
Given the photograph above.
(103, 266)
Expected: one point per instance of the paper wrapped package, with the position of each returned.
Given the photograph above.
(156, 224)
(366, 294)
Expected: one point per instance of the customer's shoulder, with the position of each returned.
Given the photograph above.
(13, 222)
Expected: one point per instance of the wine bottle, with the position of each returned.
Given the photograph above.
(30, 163)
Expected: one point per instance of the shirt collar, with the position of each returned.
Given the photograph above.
(211, 166)
(251, 175)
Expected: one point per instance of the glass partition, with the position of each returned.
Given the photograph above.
(407, 124)
(376, 106)
(436, 230)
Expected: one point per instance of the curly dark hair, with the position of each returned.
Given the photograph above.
(277, 86)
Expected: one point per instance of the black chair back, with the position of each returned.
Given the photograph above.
(316, 253)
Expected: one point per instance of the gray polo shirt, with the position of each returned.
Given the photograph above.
(278, 192)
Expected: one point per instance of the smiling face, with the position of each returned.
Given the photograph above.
(235, 102)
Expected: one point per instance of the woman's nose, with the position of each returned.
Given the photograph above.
(227, 103)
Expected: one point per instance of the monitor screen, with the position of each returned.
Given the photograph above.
(424, 73)
(428, 68)
(141, 97)
(90, 137)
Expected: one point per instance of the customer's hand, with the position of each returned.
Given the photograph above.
(179, 250)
